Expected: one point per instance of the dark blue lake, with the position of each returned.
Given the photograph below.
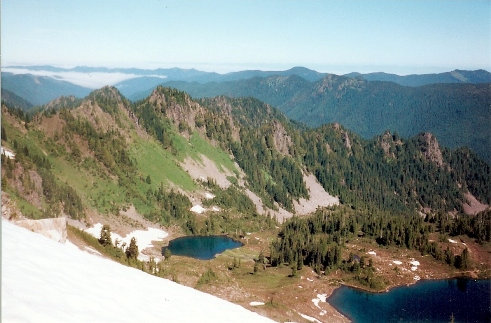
(467, 300)
(201, 247)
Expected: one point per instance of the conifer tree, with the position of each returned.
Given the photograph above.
(167, 253)
(105, 238)
(132, 250)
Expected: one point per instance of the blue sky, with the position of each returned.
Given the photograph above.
(403, 36)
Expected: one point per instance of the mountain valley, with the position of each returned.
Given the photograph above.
(311, 205)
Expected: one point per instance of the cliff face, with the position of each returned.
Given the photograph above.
(282, 140)
(431, 149)
(54, 228)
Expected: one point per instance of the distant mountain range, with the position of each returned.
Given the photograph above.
(456, 76)
(455, 106)
(39, 90)
(139, 83)
(458, 114)
(14, 100)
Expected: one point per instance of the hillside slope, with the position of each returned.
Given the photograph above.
(457, 114)
(165, 154)
(14, 100)
(88, 288)
(39, 90)
(455, 76)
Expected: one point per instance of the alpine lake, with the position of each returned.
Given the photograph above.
(201, 247)
(459, 299)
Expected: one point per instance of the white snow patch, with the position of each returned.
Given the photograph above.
(373, 253)
(256, 303)
(215, 208)
(323, 312)
(95, 231)
(397, 262)
(417, 278)
(452, 241)
(320, 298)
(309, 318)
(310, 280)
(8, 153)
(87, 288)
(143, 238)
(198, 209)
(209, 196)
(414, 263)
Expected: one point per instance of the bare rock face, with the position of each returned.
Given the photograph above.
(346, 140)
(282, 141)
(328, 148)
(431, 149)
(345, 136)
(54, 228)
(177, 106)
(388, 143)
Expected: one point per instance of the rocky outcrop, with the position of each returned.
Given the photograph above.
(54, 228)
(430, 148)
(388, 143)
(177, 106)
(344, 135)
(282, 141)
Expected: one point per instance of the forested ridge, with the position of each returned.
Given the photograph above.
(98, 137)
(317, 241)
(457, 114)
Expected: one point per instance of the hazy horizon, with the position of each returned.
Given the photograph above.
(400, 37)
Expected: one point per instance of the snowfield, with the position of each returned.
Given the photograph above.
(45, 281)
(143, 238)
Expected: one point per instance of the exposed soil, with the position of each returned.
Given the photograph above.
(204, 169)
(52, 125)
(318, 197)
(473, 206)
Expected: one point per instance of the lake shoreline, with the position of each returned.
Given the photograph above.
(468, 301)
(201, 247)
(392, 287)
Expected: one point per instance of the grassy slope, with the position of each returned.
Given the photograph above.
(218, 156)
(104, 193)
(162, 167)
